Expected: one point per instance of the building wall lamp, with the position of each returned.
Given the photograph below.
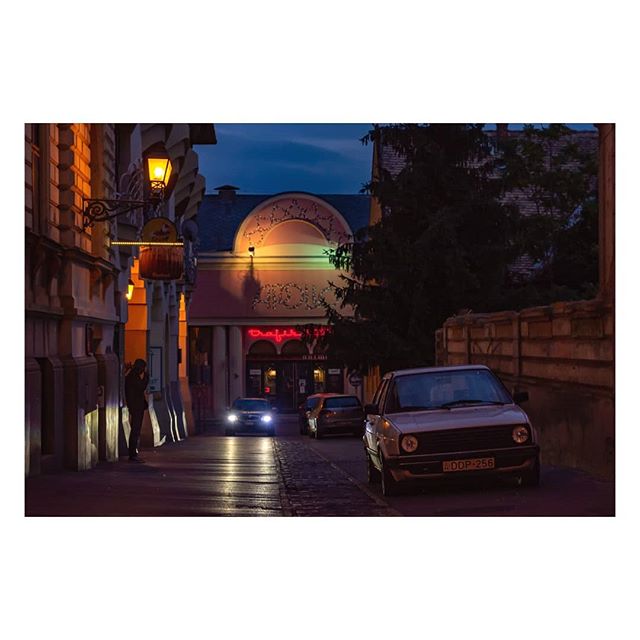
(100, 210)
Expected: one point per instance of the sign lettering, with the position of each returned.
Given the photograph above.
(284, 333)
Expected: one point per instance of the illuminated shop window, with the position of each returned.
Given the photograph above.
(319, 379)
(270, 380)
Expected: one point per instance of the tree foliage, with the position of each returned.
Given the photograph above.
(447, 237)
(444, 243)
(548, 168)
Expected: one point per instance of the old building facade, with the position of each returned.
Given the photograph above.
(80, 327)
(263, 274)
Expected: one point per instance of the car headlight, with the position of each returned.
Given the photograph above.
(520, 434)
(409, 443)
(232, 417)
(265, 419)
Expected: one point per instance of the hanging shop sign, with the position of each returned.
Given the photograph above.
(163, 257)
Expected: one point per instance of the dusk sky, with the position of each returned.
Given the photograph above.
(270, 158)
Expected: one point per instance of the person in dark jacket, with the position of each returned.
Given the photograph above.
(135, 383)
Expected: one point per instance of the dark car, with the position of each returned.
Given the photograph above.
(304, 409)
(336, 413)
(254, 415)
(444, 422)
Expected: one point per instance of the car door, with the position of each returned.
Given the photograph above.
(373, 429)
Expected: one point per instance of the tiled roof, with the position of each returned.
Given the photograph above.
(220, 216)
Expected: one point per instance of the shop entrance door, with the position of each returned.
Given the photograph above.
(296, 383)
(287, 383)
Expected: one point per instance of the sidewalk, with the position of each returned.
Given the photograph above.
(201, 476)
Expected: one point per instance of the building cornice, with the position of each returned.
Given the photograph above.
(217, 262)
(262, 321)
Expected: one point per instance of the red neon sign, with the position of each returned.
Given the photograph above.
(286, 333)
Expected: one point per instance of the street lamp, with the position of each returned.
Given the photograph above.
(100, 209)
(159, 174)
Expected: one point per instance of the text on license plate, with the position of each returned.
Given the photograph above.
(469, 465)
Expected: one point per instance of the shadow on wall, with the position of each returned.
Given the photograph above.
(250, 287)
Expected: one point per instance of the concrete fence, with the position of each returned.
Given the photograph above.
(563, 355)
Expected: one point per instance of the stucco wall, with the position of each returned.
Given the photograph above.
(563, 355)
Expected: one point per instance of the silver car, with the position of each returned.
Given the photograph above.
(447, 421)
(253, 415)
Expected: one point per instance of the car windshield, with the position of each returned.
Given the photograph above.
(248, 404)
(336, 403)
(444, 390)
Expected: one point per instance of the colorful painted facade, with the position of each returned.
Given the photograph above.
(263, 273)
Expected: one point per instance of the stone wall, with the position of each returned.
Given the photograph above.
(563, 355)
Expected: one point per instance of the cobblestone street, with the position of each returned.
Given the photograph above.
(314, 486)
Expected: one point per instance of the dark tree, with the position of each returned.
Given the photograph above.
(444, 243)
(552, 172)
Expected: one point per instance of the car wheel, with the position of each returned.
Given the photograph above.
(373, 475)
(531, 478)
(390, 486)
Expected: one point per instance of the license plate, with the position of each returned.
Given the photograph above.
(469, 465)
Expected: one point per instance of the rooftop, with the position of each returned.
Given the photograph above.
(220, 215)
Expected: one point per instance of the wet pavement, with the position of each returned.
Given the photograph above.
(291, 475)
(200, 476)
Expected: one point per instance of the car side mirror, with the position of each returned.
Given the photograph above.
(520, 396)
(371, 409)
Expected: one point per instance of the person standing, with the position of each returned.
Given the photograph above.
(135, 384)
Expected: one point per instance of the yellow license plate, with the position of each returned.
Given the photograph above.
(471, 464)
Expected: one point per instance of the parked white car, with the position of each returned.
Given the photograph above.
(447, 421)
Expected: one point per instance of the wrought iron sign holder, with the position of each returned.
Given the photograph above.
(102, 210)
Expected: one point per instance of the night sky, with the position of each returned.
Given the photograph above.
(271, 158)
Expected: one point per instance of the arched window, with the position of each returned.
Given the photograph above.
(294, 348)
(262, 348)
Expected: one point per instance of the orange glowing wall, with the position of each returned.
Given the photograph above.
(182, 337)
(135, 336)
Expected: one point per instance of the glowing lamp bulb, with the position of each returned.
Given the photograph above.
(159, 172)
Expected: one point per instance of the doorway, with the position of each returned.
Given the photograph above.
(287, 383)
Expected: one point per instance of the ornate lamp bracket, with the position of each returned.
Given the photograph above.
(100, 210)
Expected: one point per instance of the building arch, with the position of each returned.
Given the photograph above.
(284, 207)
(294, 348)
(262, 348)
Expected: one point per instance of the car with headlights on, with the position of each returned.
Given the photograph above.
(335, 413)
(441, 422)
(250, 415)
